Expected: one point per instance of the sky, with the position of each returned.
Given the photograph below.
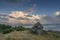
(27, 12)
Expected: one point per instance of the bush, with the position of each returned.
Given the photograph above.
(19, 28)
(5, 31)
(27, 28)
(10, 30)
(45, 32)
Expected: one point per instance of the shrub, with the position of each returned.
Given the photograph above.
(5, 31)
(45, 32)
(11, 29)
(27, 28)
(19, 28)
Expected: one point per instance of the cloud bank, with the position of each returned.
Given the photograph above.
(23, 18)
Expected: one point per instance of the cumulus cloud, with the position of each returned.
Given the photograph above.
(28, 19)
(17, 14)
(52, 19)
(3, 18)
(23, 18)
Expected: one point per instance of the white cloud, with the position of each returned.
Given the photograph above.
(17, 14)
(57, 13)
(22, 18)
(25, 18)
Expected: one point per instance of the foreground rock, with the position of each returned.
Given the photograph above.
(37, 28)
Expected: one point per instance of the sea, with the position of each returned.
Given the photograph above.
(48, 27)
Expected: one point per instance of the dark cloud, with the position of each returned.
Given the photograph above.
(2, 14)
(21, 18)
(5, 19)
(12, 17)
(28, 15)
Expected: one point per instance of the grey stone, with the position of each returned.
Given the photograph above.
(37, 28)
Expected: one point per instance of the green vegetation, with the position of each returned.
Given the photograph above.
(8, 32)
(19, 28)
(7, 28)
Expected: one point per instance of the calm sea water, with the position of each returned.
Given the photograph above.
(48, 27)
(52, 27)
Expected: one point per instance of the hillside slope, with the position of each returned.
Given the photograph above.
(26, 35)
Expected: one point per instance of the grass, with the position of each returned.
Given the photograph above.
(26, 35)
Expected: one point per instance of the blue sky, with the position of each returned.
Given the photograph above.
(27, 12)
(41, 6)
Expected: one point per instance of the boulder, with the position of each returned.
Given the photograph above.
(37, 28)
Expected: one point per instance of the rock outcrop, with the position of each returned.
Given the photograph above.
(37, 28)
